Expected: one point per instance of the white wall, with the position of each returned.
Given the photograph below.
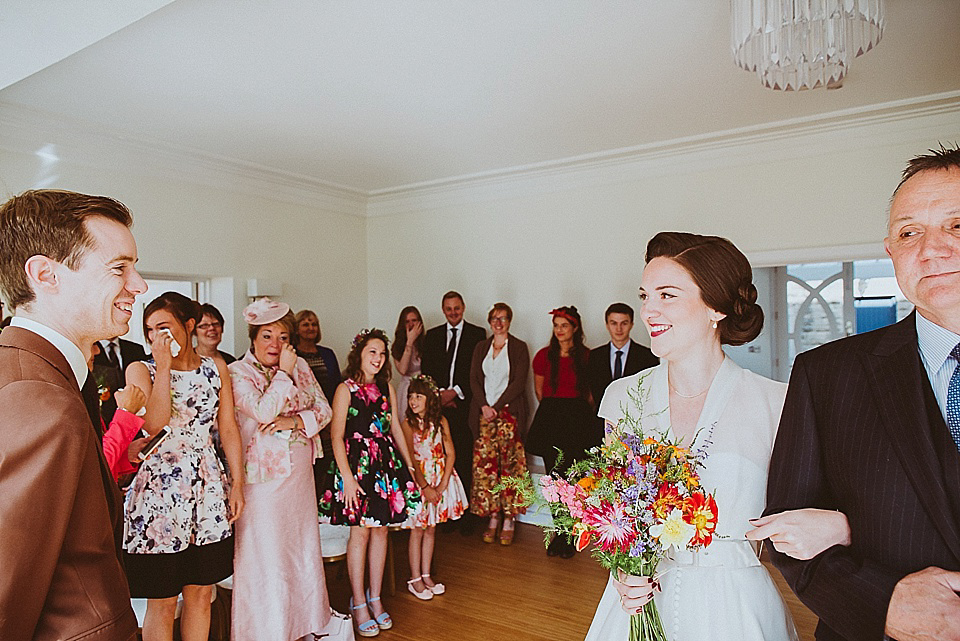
(189, 229)
(578, 237)
(571, 233)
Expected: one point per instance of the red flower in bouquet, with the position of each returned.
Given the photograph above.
(668, 499)
(611, 525)
(632, 499)
(700, 511)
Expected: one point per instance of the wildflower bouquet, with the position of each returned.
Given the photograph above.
(632, 499)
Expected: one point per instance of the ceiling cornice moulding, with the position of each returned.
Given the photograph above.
(889, 123)
(28, 131)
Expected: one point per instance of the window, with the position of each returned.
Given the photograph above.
(820, 302)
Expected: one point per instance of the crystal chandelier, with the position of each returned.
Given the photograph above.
(803, 44)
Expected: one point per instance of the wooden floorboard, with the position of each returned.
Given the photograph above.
(498, 592)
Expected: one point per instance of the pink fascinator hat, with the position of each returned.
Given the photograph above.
(264, 311)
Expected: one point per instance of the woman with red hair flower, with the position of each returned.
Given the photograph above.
(560, 431)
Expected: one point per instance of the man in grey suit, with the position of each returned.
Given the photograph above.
(871, 427)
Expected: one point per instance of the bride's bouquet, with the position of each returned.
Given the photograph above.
(633, 499)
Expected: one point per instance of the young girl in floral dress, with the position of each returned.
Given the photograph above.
(428, 437)
(371, 485)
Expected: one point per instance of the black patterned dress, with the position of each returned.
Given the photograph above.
(389, 490)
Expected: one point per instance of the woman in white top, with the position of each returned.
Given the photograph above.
(697, 295)
(498, 420)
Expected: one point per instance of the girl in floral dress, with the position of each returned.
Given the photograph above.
(428, 437)
(372, 483)
(179, 508)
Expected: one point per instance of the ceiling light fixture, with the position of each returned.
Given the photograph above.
(803, 44)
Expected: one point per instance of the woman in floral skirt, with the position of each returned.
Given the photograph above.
(498, 419)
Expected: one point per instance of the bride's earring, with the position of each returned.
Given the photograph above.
(714, 324)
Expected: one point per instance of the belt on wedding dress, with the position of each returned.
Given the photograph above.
(720, 553)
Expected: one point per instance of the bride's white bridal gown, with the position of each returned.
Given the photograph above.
(722, 593)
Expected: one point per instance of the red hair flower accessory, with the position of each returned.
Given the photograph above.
(561, 312)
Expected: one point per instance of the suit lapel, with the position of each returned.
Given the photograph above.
(896, 371)
(27, 340)
(632, 366)
(606, 368)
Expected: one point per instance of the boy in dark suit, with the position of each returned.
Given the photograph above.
(621, 356)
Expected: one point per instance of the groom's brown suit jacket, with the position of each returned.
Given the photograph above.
(60, 576)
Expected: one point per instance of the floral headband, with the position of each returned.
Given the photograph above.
(365, 333)
(565, 314)
(428, 381)
(264, 311)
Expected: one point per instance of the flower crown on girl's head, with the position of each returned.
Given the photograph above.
(428, 381)
(364, 333)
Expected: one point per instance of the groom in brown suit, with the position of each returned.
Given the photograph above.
(871, 427)
(67, 268)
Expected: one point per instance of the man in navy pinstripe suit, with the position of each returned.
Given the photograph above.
(871, 427)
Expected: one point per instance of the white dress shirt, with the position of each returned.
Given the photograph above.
(456, 348)
(70, 351)
(613, 356)
(105, 348)
(936, 343)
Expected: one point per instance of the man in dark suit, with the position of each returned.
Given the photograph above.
(109, 368)
(621, 356)
(67, 267)
(871, 427)
(447, 351)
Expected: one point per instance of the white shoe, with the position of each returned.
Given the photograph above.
(436, 588)
(424, 595)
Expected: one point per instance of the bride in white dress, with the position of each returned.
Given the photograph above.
(697, 294)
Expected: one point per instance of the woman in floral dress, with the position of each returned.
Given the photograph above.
(372, 483)
(179, 509)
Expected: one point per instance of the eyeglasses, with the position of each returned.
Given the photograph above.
(499, 320)
(205, 326)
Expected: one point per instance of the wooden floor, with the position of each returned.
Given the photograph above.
(496, 592)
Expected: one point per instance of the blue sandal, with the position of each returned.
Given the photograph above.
(369, 628)
(384, 622)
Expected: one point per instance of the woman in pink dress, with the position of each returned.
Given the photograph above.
(279, 591)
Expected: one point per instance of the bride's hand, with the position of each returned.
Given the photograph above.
(802, 534)
(634, 591)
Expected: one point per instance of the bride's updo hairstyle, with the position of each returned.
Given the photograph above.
(724, 277)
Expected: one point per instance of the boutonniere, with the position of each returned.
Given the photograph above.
(103, 390)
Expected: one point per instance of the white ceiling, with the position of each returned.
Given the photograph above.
(376, 95)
